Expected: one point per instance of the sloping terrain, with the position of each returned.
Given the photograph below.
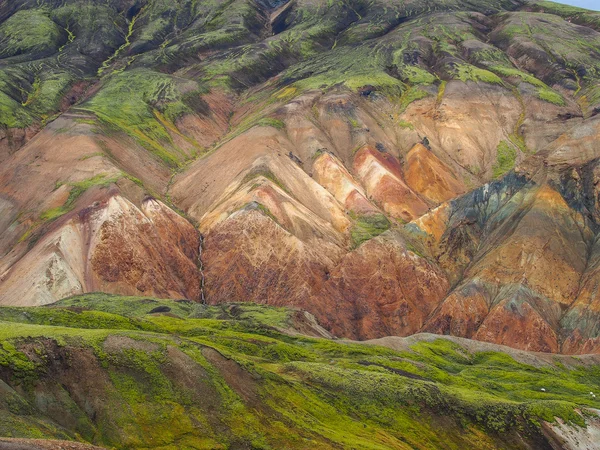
(143, 373)
(392, 167)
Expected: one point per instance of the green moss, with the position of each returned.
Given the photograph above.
(410, 95)
(550, 96)
(72, 318)
(577, 15)
(549, 410)
(466, 72)
(270, 122)
(48, 93)
(405, 124)
(143, 104)
(382, 81)
(589, 99)
(256, 314)
(159, 389)
(367, 227)
(265, 210)
(134, 307)
(87, 121)
(506, 156)
(265, 172)
(353, 122)
(21, 366)
(130, 27)
(512, 72)
(23, 102)
(543, 91)
(415, 75)
(12, 115)
(29, 31)
(441, 91)
(52, 214)
(76, 190)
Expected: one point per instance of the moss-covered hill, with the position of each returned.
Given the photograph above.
(149, 60)
(110, 371)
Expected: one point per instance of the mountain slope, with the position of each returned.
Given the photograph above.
(143, 373)
(392, 167)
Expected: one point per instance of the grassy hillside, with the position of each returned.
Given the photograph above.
(107, 370)
(403, 48)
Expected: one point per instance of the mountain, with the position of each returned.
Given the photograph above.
(303, 224)
(145, 373)
(392, 167)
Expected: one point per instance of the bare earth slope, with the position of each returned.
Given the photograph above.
(392, 167)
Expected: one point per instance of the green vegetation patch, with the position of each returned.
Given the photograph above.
(410, 95)
(577, 15)
(542, 90)
(76, 190)
(140, 307)
(367, 227)
(266, 172)
(271, 122)
(466, 72)
(72, 317)
(29, 31)
(550, 96)
(28, 97)
(135, 307)
(145, 104)
(47, 92)
(506, 156)
(173, 374)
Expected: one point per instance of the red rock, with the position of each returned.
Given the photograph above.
(382, 176)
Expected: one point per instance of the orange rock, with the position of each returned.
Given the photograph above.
(128, 240)
(111, 246)
(460, 314)
(426, 174)
(331, 174)
(249, 257)
(382, 176)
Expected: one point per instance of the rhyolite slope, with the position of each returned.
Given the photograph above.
(392, 167)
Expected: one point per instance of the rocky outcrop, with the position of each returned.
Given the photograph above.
(331, 173)
(381, 289)
(252, 257)
(561, 435)
(110, 246)
(381, 174)
(430, 177)
(126, 239)
(12, 139)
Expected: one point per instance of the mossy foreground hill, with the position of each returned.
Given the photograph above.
(143, 373)
(391, 166)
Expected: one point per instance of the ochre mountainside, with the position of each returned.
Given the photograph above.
(392, 167)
